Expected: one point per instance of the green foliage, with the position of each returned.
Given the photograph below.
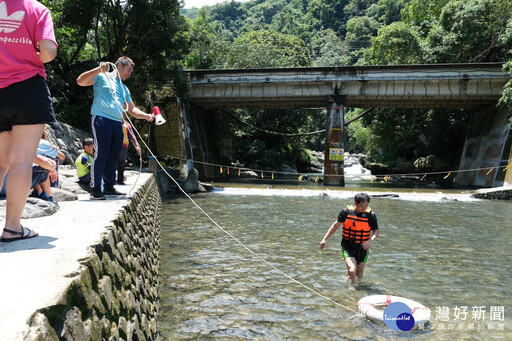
(506, 97)
(268, 48)
(329, 50)
(396, 44)
(152, 32)
(265, 33)
(271, 149)
(392, 136)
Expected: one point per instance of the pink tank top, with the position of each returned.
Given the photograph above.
(23, 23)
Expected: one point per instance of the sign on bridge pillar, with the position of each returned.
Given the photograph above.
(334, 144)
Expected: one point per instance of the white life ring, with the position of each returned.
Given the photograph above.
(368, 307)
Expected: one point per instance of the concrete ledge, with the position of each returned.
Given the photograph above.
(92, 272)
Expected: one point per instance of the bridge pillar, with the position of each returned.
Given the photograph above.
(334, 143)
(488, 145)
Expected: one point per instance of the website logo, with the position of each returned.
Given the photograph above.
(9, 23)
(398, 317)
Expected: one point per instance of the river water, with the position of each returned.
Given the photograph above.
(445, 250)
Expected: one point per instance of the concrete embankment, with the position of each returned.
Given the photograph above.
(92, 274)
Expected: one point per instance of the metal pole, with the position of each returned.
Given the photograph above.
(335, 143)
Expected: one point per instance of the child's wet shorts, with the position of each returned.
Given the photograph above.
(354, 250)
(25, 103)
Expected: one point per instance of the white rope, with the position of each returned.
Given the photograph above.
(217, 225)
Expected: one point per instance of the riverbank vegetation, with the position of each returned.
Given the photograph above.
(163, 39)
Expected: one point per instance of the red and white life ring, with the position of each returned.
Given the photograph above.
(368, 307)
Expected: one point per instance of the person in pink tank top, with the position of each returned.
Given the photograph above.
(27, 40)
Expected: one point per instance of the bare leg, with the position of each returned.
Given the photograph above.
(5, 146)
(360, 269)
(23, 146)
(46, 187)
(351, 264)
(38, 189)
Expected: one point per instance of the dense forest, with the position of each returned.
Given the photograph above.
(164, 39)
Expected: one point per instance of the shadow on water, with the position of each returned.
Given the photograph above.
(431, 249)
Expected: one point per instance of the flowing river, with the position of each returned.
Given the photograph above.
(447, 251)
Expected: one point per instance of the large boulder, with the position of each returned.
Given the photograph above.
(431, 163)
(192, 185)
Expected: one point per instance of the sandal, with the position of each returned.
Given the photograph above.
(48, 198)
(21, 233)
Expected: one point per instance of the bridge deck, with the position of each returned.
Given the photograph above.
(403, 86)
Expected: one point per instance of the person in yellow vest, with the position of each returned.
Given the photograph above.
(83, 163)
(360, 229)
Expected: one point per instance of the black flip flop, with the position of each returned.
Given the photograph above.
(21, 233)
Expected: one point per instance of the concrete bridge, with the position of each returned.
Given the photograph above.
(475, 87)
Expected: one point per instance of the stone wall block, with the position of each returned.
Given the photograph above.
(97, 303)
(153, 326)
(41, 329)
(109, 243)
(137, 332)
(106, 264)
(121, 253)
(116, 305)
(125, 329)
(105, 291)
(119, 276)
(93, 263)
(96, 329)
(73, 328)
(144, 325)
(84, 292)
(114, 332)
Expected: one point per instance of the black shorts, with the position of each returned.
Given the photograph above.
(354, 250)
(25, 103)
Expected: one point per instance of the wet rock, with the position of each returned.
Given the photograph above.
(494, 194)
(192, 185)
(387, 195)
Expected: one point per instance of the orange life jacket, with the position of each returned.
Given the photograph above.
(356, 229)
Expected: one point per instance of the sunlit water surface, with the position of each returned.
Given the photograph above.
(446, 251)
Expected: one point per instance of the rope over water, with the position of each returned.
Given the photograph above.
(215, 223)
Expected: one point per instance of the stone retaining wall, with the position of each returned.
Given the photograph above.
(114, 295)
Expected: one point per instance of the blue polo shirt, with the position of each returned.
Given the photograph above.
(109, 103)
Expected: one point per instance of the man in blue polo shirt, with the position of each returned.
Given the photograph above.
(111, 99)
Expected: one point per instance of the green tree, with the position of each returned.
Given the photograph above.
(268, 48)
(396, 44)
(329, 50)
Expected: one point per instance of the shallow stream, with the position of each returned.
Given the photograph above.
(445, 250)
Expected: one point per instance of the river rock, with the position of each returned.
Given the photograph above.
(192, 185)
(33, 209)
(501, 194)
(430, 163)
(64, 195)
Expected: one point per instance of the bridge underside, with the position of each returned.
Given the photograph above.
(412, 86)
(228, 97)
(465, 86)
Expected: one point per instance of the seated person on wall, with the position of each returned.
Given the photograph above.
(60, 156)
(42, 176)
(83, 164)
(43, 191)
(42, 170)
